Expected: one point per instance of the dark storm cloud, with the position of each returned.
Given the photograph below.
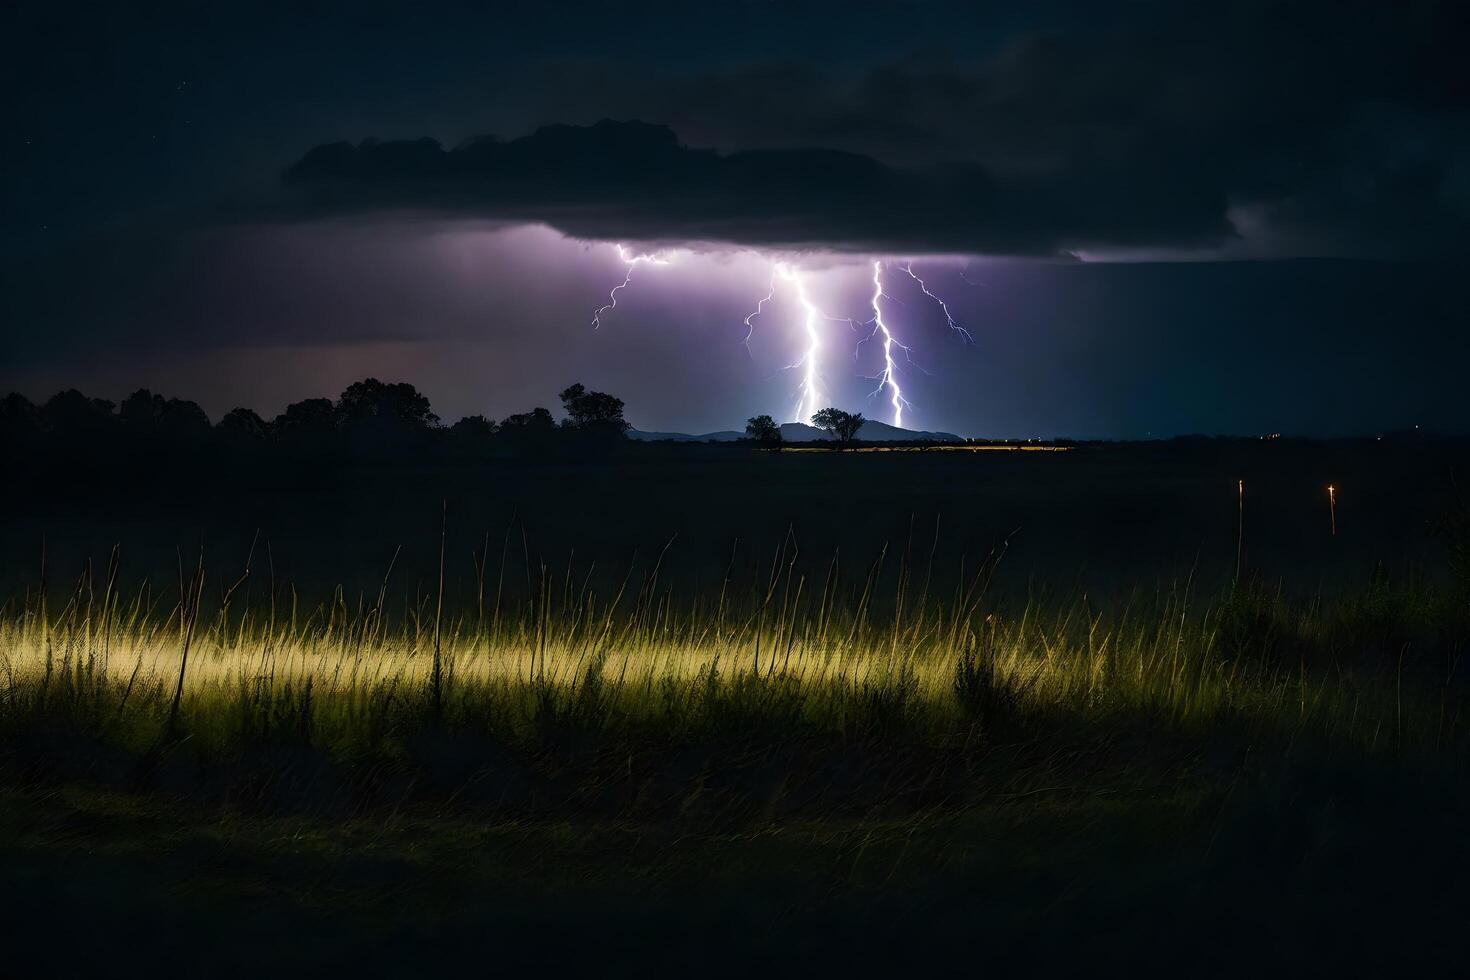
(635, 180)
(1308, 128)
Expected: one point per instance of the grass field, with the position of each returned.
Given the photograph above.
(794, 654)
(870, 762)
(949, 772)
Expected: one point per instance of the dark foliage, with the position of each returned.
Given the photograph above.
(313, 416)
(383, 419)
(989, 697)
(164, 421)
(473, 426)
(843, 425)
(243, 425)
(374, 419)
(372, 400)
(764, 430)
(537, 421)
(72, 415)
(20, 421)
(593, 413)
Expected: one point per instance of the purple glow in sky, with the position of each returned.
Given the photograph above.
(493, 319)
(812, 320)
(496, 318)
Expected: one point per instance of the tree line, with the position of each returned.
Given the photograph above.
(370, 417)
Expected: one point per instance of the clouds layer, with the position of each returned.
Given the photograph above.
(634, 180)
(1259, 129)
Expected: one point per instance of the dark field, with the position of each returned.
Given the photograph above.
(655, 727)
(1106, 520)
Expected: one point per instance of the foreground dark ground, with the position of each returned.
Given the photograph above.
(1137, 834)
(1302, 867)
(1107, 519)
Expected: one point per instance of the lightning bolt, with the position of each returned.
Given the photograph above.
(630, 260)
(888, 378)
(964, 334)
(760, 307)
(810, 396)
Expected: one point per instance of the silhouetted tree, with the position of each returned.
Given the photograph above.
(184, 422)
(764, 430)
(836, 422)
(163, 421)
(20, 422)
(473, 425)
(72, 415)
(308, 428)
(371, 399)
(384, 419)
(472, 435)
(537, 421)
(141, 409)
(529, 432)
(242, 425)
(311, 417)
(593, 412)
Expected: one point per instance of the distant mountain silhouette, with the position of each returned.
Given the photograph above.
(872, 431)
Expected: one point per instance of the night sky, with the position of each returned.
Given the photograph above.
(1152, 218)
